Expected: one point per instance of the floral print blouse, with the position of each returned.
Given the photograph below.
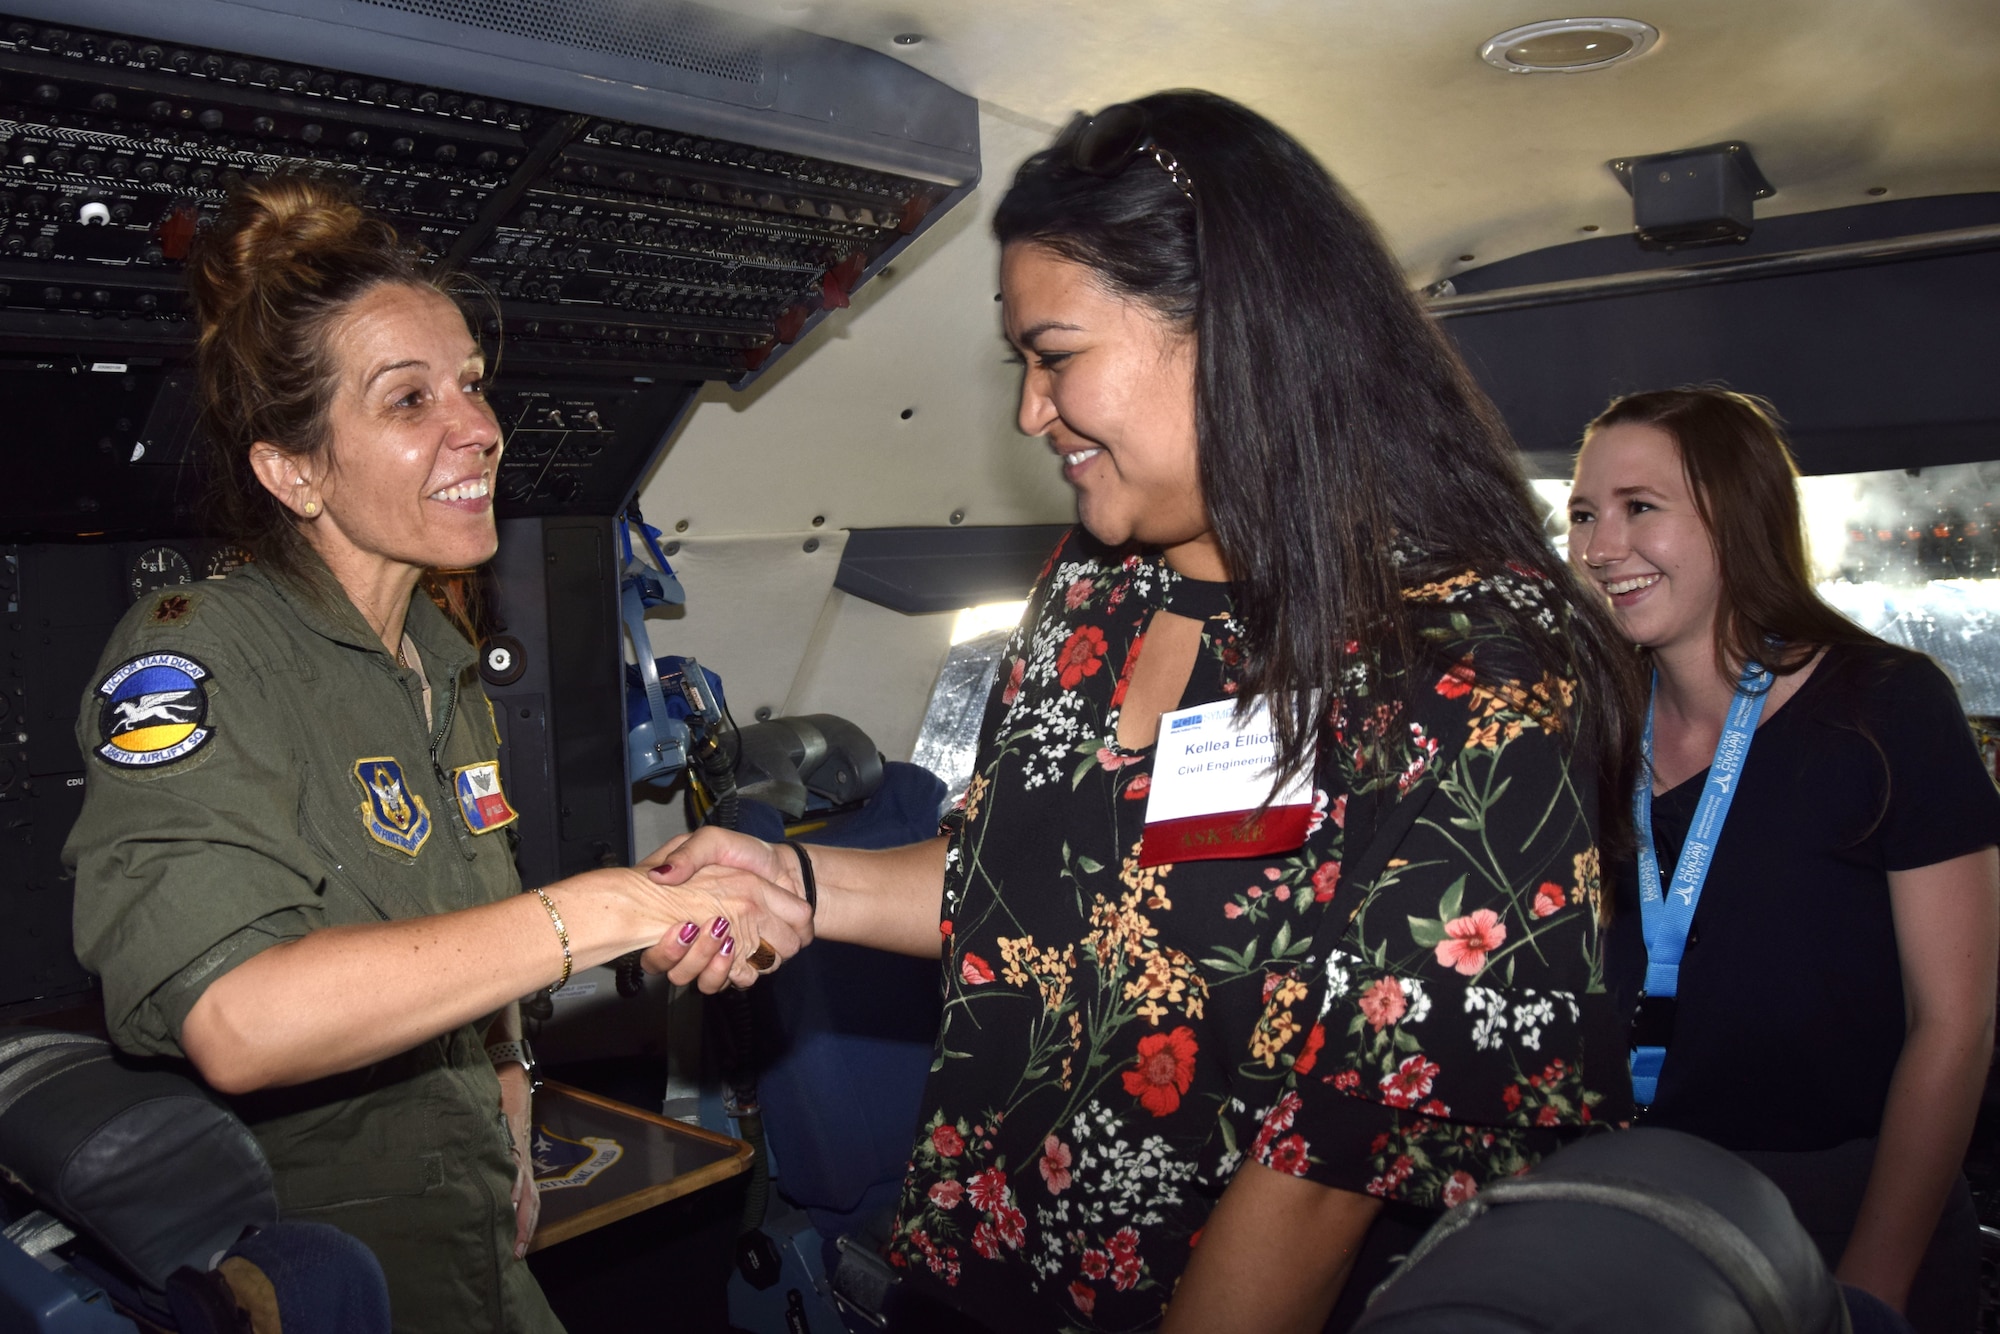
(1411, 1004)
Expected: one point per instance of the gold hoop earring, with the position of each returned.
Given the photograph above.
(311, 508)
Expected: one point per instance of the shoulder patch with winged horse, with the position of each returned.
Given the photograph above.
(154, 711)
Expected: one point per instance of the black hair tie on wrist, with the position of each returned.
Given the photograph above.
(806, 881)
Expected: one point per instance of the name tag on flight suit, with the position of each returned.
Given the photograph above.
(1210, 774)
(480, 797)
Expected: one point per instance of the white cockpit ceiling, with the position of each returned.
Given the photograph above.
(1456, 157)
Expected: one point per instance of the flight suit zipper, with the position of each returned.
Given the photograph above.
(443, 732)
(446, 706)
(447, 712)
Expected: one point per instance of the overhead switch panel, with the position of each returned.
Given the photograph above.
(612, 248)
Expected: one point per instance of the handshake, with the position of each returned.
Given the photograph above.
(740, 906)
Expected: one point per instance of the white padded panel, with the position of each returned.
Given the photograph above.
(873, 667)
(751, 606)
(823, 434)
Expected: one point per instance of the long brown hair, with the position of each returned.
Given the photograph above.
(1745, 486)
(282, 263)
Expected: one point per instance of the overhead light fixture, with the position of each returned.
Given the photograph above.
(1568, 46)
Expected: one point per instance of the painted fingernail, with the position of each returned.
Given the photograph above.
(729, 947)
(719, 927)
(688, 933)
(663, 868)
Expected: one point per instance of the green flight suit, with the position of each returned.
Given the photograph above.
(258, 767)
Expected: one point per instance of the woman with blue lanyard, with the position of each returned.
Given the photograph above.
(1817, 886)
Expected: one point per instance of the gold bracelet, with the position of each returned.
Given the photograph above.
(562, 934)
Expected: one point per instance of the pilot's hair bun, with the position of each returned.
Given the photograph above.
(289, 239)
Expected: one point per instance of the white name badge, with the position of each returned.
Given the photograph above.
(1211, 771)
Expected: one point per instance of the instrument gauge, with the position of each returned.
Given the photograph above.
(225, 559)
(156, 568)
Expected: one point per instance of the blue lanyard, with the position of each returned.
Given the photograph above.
(1665, 914)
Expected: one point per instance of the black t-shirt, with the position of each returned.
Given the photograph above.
(1791, 997)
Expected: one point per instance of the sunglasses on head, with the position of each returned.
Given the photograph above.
(1101, 145)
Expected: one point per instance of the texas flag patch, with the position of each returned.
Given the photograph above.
(480, 797)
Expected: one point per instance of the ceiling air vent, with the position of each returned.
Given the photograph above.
(688, 37)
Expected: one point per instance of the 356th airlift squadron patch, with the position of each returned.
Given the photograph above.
(154, 712)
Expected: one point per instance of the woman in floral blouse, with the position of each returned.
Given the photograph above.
(1184, 1091)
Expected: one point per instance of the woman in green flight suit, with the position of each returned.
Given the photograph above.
(288, 865)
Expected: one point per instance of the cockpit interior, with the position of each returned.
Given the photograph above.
(769, 509)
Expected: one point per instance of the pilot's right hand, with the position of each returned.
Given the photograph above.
(730, 864)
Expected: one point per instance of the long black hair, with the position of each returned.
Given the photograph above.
(1335, 424)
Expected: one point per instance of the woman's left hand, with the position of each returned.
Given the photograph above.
(517, 1105)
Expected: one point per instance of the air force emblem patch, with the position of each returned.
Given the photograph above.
(153, 712)
(480, 797)
(564, 1164)
(393, 815)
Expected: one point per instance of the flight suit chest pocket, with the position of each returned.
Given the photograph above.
(482, 810)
